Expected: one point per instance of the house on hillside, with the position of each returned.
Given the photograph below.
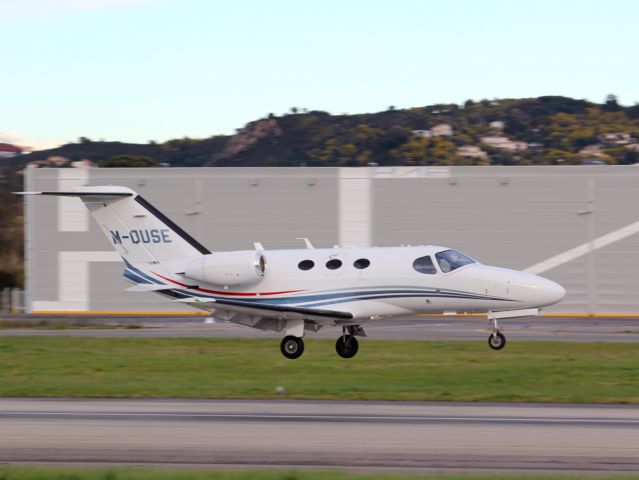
(51, 162)
(58, 161)
(421, 133)
(84, 163)
(497, 125)
(472, 152)
(504, 143)
(442, 130)
(592, 151)
(8, 151)
(620, 138)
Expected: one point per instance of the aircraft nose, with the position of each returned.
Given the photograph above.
(549, 292)
(534, 290)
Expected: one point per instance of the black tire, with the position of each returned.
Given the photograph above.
(292, 347)
(496, 341)
(347, 347)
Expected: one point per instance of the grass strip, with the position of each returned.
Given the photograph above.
(40, 366)
(16, 324)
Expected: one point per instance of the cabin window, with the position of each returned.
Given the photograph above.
(424, 265)
(333, 264)
(450, 260)
(306, 264)
(361, 263)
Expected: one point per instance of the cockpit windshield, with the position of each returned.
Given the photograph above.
(450, 260)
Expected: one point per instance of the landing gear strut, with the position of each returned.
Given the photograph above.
(497, 340)
(347, 345)
(292, 347)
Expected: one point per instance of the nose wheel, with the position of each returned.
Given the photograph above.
(497, 340)
(292, 347)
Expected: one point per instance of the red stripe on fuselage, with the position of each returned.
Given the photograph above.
(237, 294)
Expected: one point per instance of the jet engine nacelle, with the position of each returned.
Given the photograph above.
(228, 269)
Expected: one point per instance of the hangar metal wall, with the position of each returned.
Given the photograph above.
(576, 225)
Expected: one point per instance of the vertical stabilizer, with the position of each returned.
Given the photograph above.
(135, 228)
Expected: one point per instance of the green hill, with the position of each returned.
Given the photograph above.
(531, 131)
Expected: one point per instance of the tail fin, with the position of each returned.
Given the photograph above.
(137, 230)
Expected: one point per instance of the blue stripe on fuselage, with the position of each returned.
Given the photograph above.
(141, 273)
(133, 277)
(344, 297)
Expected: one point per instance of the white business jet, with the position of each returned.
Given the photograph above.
(294, 291)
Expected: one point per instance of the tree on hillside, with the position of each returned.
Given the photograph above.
(130, 161)
(11, 239)
(611, 104)
(413, 152)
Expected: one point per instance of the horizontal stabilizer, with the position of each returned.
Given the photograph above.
(86, 192)
(79, 194)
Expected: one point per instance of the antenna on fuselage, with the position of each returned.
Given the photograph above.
(258, 246)
(307, 242)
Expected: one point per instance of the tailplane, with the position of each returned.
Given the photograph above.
(137, 230)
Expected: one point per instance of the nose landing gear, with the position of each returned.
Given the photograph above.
(497, 340)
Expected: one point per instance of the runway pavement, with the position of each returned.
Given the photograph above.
(580, 329)
(359, 435)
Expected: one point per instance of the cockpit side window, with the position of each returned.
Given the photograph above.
(424, 265)
(450, 260)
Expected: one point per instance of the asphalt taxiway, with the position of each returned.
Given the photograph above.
(579, 329)
(359, 435)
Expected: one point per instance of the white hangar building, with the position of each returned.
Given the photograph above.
(577, 225)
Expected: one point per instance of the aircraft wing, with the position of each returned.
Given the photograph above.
(252, 314)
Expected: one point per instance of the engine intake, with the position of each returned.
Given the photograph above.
(228, 269)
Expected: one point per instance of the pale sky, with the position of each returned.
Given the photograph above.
(140, 70)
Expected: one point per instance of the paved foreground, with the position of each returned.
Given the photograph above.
(363, 435)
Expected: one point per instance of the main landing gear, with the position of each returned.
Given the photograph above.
(497, 340)
(346, 346)
(292, 347)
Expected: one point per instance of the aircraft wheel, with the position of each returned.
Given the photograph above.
(497, 341)
(347, 346)
(292, 347)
